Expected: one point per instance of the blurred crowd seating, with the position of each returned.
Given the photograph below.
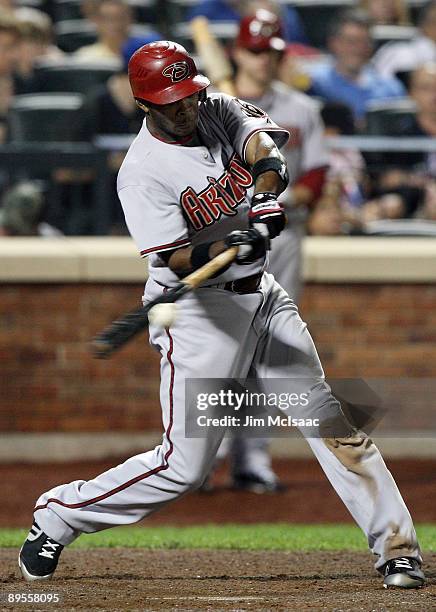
(62, 63)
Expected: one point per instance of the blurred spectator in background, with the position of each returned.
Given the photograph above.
(10, 41)
(111, 109)
(355, 201)
(387, 12)
(6, 98)
(399, 57)
(423, 123)
(428, 208)
(10, 82)
(422, 91)
(113, 19)
(347, 165)
(258, 51)
(22, 210)
(293, 67)
(406, 186)
(391, 203)
(36, 43)
(88, 8)
(233, 10)
(339, 209)
(350, 78)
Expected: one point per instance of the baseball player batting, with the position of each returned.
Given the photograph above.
(203, 175)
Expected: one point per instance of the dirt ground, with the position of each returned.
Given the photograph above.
(132, 579)
(308, 498)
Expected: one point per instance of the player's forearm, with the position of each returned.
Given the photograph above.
(261, 146)
(180, 261)
(268, 182)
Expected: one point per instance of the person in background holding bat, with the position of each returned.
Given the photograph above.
(234, 10)
(257, 53)
(258, 50)
(202, 177)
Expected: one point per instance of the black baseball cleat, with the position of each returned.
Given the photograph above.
(257, 483)
(39, 555)
(404, 573)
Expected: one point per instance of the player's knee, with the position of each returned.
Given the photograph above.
(190, 479)
(196, 484)
(352, 450)
(195, 480)
(189, 484)
(325, 410)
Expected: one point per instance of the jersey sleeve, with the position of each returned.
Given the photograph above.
(155, 222)
(241, 120)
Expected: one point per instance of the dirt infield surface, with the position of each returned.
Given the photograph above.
(137, 579)
(308, 499)
(132, 579)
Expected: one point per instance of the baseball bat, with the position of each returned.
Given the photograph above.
(214, 58)
(132, 323)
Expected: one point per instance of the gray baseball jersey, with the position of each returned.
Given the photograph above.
(173, 195)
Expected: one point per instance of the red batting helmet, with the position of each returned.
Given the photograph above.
(260, 31)
(162, 72)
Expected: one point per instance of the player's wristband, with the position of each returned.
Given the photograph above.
(200, 256)
(271, 164)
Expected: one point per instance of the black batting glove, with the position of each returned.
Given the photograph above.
(267, 210)
(252, 245)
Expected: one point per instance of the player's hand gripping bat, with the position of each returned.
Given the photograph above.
(214, 58)
(124, 329)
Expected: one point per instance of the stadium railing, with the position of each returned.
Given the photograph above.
(34, 157)
(37, 156)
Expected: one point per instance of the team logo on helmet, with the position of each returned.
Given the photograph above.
(177, 72)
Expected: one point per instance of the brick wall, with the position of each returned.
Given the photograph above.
(373, 330)
(51, 383)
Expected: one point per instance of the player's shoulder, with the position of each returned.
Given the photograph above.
(218, 109)
(216, 101)
(223, 105)
(137, 169)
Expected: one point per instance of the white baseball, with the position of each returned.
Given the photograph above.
(163, 315)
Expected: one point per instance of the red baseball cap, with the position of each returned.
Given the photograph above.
(261, 31)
